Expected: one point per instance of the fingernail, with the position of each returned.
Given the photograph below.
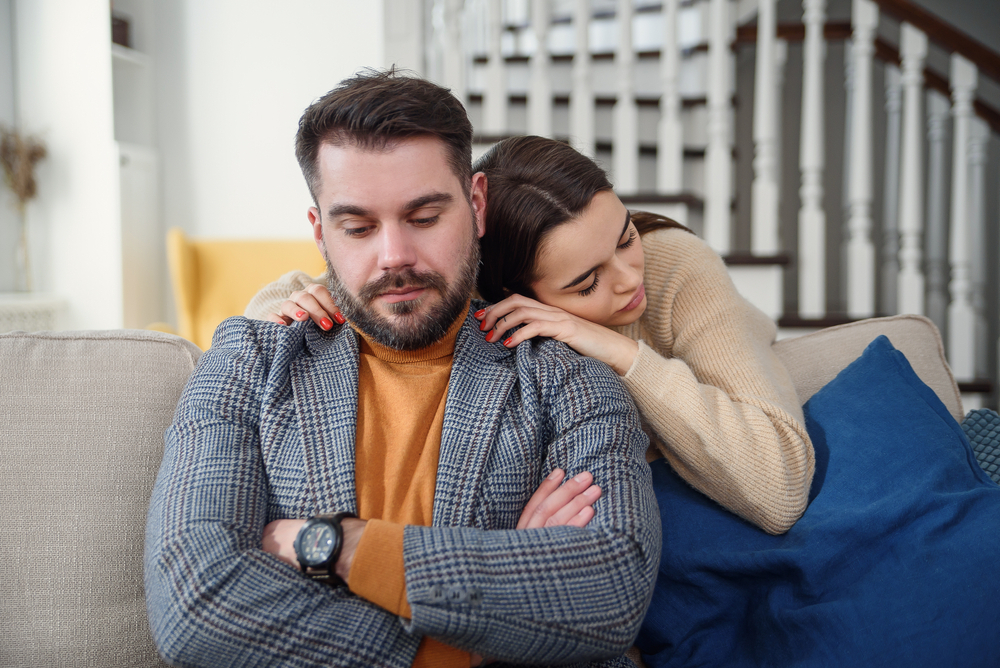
(507, 342)
(555, 474)
(581, 477)
(339, 318)
(325, 323)
(490, 335)
(300, 314)
(592, 492)
(480, 313)
(482, 326)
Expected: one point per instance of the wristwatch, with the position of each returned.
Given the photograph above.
(317, 547)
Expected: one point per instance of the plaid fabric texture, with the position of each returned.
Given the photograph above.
(265, 430)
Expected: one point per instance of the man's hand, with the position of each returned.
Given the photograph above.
(567, 505)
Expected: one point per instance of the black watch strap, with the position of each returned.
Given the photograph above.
(327, 572)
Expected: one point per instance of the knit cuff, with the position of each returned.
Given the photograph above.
(377, 572)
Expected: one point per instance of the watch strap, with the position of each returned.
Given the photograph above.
(327, 572)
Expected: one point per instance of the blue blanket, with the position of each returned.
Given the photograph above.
(893, 564)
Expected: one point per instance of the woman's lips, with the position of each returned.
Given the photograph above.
(640, 293)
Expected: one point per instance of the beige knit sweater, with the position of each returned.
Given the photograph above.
(714, 398)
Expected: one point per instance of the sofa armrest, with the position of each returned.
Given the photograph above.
(82, 416)
(815, 359)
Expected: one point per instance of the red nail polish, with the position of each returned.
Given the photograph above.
(480, 313)
(300, 314)
(339, 318)
(507, 342)
(482, 326)
(325, 323)
(490, 335)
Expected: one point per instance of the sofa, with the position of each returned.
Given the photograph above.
(82, 415)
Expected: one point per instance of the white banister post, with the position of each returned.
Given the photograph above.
(860, 251)
(581, 98)
(979, 135)
(454, 54)
(961, 317)
(890, 202)
(937, 223)
(780, 60)
(812, 217)
(625, 155)
(913, 49)
(719, 153)
(540, 96)
(670, 131)
(764, 191)
(495, 97)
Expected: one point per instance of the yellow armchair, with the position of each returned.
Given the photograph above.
(215, 279)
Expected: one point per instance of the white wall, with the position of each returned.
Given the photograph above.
(64, 81)
(233, 78)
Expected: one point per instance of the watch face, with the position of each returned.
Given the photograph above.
(316, 545)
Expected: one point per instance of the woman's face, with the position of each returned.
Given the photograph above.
(591, 266)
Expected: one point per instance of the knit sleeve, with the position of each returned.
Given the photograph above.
(271, 296)
(721, 404)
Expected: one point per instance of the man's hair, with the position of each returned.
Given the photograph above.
(374, 109)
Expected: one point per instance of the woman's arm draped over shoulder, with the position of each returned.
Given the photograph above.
(271, 296)
(708, 383)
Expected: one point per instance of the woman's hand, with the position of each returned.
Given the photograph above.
(555, 505)
(314, 302)
(583, 336)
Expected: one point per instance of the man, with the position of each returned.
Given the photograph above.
(407, 418)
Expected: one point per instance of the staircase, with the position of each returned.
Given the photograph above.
(843, 166)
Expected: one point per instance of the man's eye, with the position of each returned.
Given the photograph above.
(425, 221)
(357, 231)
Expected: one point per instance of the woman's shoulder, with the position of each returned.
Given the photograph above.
(676, 248)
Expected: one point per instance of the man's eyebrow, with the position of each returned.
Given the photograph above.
(347, 210)
(430, 198)
(582, 277)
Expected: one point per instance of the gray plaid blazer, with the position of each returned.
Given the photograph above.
(265, 430)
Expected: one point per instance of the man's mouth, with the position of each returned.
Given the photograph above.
(404, 294)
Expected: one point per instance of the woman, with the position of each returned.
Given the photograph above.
(562, 257)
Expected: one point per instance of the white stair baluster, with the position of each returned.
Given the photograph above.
(812, 217)
(938, 109)
(540, 96)
(454, 54)
(670, 132)
(495, 97)
(626, 115)
(581, 98)
(979, 135)
(719, 154)
(961, 316)
(860, 251)
(890, 204)
(764, 191)
(913, 48)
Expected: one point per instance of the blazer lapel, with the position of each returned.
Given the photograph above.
(325, 386)
(482, 377)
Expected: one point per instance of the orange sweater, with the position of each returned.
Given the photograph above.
(401, 400)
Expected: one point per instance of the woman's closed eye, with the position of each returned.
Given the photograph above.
(629, 241)
(590, 289)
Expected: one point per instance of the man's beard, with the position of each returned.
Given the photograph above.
(409, 330)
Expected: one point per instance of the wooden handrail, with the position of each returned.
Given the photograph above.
(954, 40)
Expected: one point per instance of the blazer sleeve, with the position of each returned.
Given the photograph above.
(719, 400)
(561, 594)
(214, 597)
(271, 296)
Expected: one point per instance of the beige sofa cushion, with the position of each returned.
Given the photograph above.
(815, 359)
(82, 416)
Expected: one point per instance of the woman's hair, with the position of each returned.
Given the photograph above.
(533, 185)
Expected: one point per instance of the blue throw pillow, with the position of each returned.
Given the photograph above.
(893, 563)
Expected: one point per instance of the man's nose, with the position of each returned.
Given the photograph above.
(396, 247)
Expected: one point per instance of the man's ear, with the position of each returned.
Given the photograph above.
(478, 196)
(317, 225)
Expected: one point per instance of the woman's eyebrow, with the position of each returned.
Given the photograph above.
(582, 277)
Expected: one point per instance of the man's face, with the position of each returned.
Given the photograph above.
(399, 236)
